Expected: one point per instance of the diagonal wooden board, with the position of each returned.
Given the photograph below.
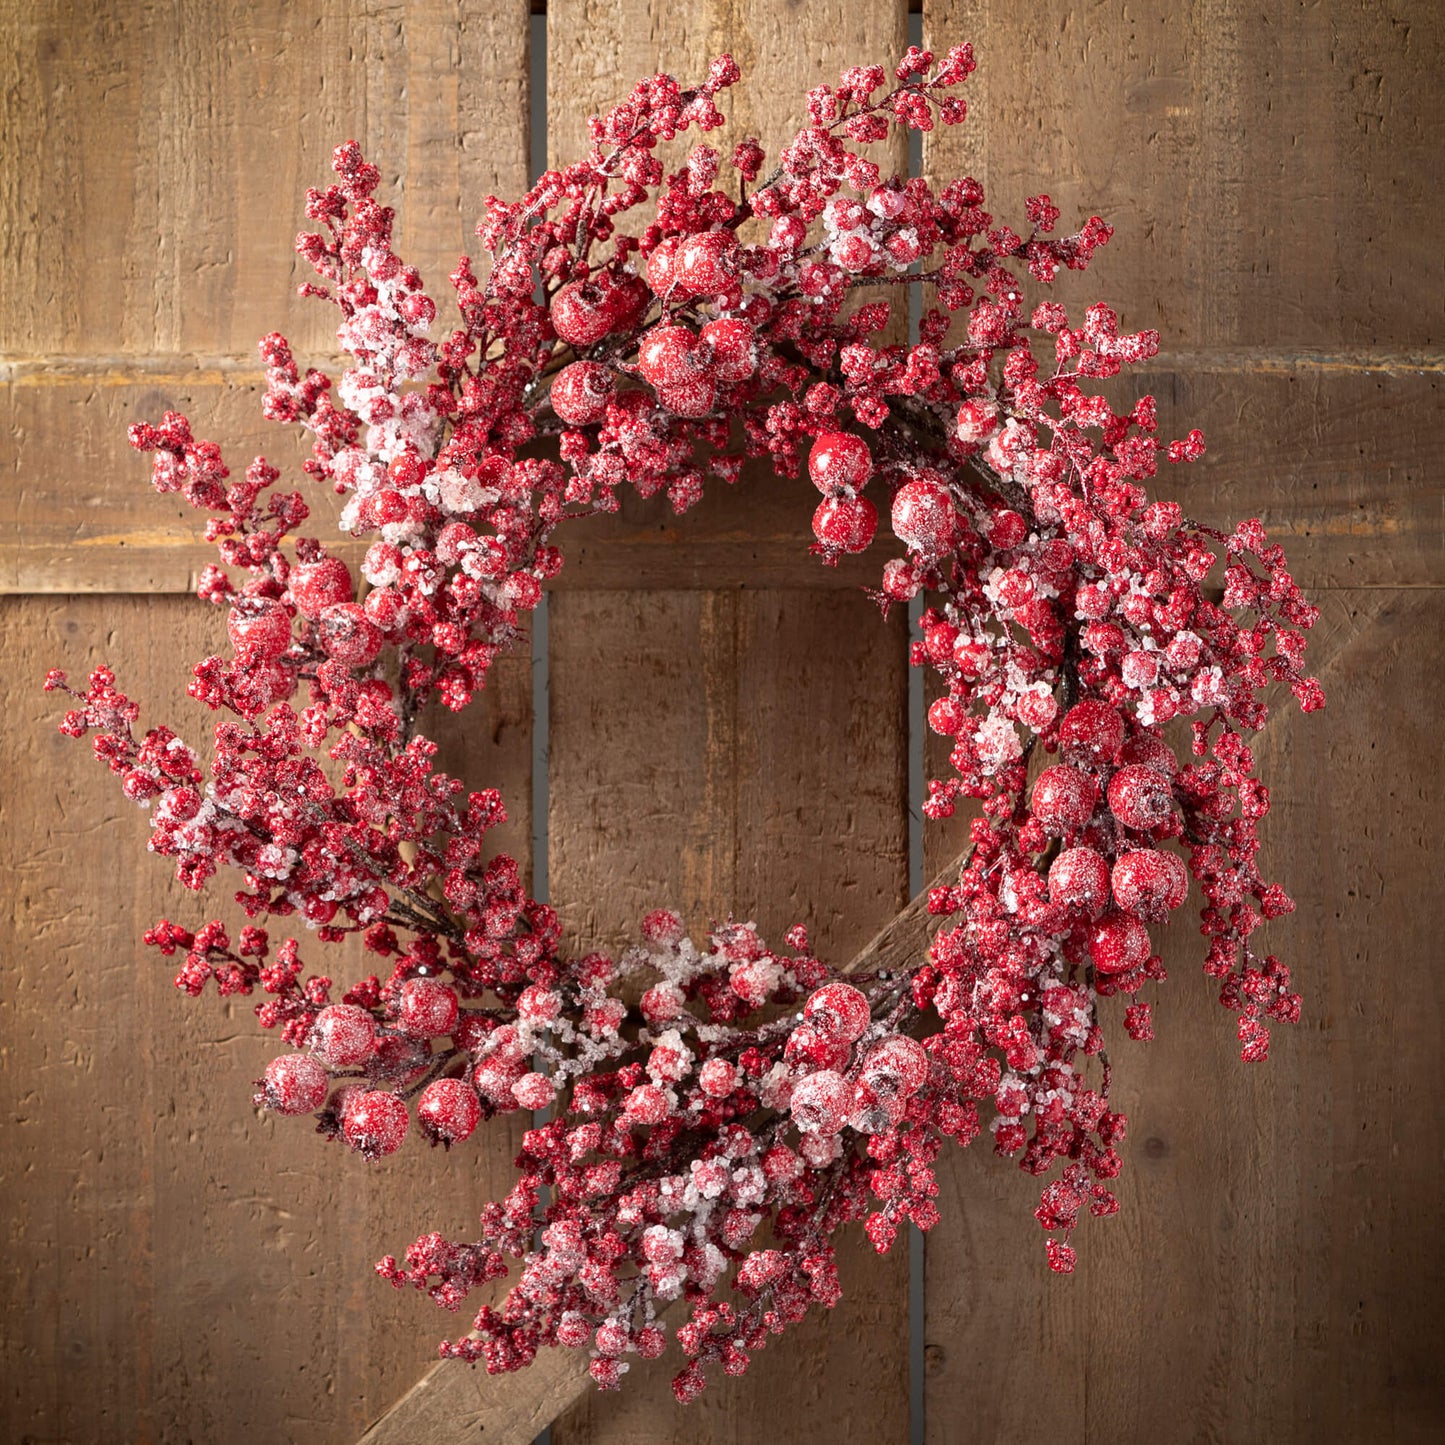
(454, 1402)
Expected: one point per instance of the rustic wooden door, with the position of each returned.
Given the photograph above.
(179, 1268)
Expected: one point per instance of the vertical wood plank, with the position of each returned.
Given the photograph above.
(689, 756)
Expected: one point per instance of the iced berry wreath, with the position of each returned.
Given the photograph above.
(655, 331)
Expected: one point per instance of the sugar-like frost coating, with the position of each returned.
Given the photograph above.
(658, 331)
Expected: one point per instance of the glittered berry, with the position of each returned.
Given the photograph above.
(317, 585)
(375, 1123)
(348, 635)
(582, 313)
(1149, 883)
(581, 392)
(259, 628)
(1118, 943)
(839, 459)
(1139, 797)
(838, 1009)
(448, 1111)
(975, 421)
(706, 264)
(1151, 751)
(1079, 878)
(295, 1084)
(923, 518)
(661, 264)
(846, 524)
(895, 1067)
(821, 1102)
(428, 1008)
(734, 344)
(665, 355)
(1091, 734)
(343, 1035)
(1063, 799)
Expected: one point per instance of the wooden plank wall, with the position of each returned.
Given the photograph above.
(179, 1269)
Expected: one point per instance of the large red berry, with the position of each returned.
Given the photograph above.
(846, 524)
(448, 1111)
(1079, 878)
(923, 517)
(582, 313)
(1150, 750)
(896, 1067)
(1139, 797)
(375, 1123)
(1118, 943)
(839, 459)
(581, 392)
(821, 1102)
(734, 348)
(1091, 734)
(428, 1008)
(317, 585)
(661, 266)
(348, 635)
(838, 1009)
(1063, 799)
(706, 263)
(295, 1084)
(665, 355)
(1149, 883)
(259, 627)
(343, 1035)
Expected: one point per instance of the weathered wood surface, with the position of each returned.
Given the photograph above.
(1273, 1272)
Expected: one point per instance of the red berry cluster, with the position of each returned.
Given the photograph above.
(627, 335)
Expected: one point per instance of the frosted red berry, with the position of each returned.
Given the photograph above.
(448, 1111)
(1091, 734)
(375, 1123)
(1140, 797)
(1118, 943)
(343, 1035)
(1150, 883)
(821, 1102)
(1079, 879)
(295, 1084)
(1063, 799)
(428, 1008)
(734, 347)
(582, 313)
(259, 628)
(315, 586)
(924, 518)
(839, 459)
(347, 634)
(838, 1009)
(846, 524)
(581, 392)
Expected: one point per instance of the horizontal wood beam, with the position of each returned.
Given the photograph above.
(456, 1404)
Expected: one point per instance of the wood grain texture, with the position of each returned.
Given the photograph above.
(206, 1271)
(1271, 167)
(158, 155)
(686, 772)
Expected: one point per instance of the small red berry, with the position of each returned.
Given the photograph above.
(846, 524)
(295, 1084)
(448, 1111)
(1139, 797)
(839, 459)
(375, 1123)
